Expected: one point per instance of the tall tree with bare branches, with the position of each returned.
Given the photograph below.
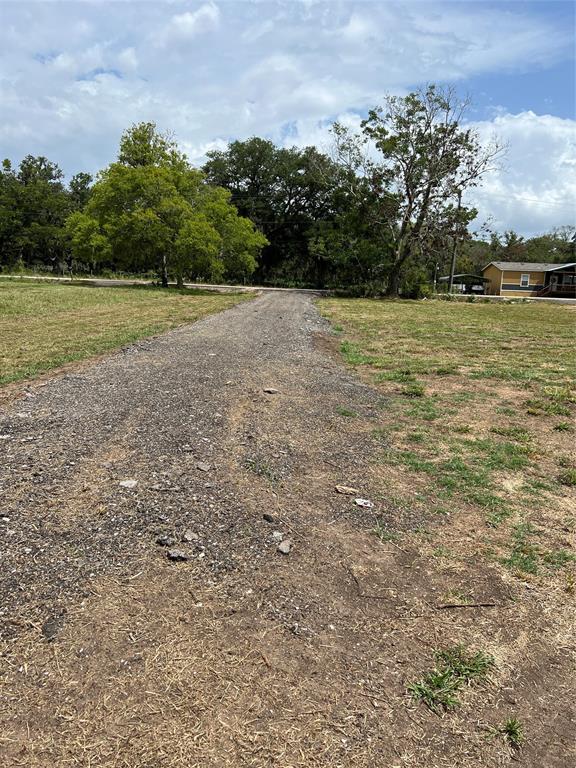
(419, 158)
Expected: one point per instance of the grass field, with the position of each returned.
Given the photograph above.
(480, 407)
(476, 473)
(43, 326)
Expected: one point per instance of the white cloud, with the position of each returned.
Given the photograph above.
(75, 75)
(128, 60)
(185, 26)
(535, 188)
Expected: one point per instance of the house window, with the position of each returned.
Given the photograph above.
(525, 281)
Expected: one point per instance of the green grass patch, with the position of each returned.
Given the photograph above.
(567, 477)
(413, 389)
(523, 556)
(519, 434)
(499, 455)
(563, 426)
(425, 408)
(384, 533)
(455, 668)
(540, 407)
(526, 557)
(525, 343)
(513, 732)
(353, 354)
(458, 380)
(402, 376)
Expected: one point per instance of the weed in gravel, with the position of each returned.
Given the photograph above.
(455, 667)
(262, 468)
(383, 533)
(343, 411)
(381, 435)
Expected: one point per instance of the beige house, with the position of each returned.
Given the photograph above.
(519, 278)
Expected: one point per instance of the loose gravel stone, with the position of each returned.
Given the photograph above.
(178, 555)
(284, 547)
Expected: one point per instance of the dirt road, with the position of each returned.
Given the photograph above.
(233, 653)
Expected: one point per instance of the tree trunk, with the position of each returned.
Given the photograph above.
(402, 253)
(164, 274)
(179, 280)
(393, 281)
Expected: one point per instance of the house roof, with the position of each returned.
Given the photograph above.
(526, 266)
(464, 274)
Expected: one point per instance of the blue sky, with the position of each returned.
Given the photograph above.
(73, 75)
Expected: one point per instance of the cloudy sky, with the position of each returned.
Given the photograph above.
(73, 75)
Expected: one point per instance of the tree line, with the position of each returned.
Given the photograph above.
(381, 212)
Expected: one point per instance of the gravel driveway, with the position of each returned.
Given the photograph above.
(219, 472)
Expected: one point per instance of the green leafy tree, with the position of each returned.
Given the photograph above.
(157, 212)
(286, 193)
(11, 217)
(87, 242)
(80, 189)
(555, 247)
(198, 250)
(34, 204)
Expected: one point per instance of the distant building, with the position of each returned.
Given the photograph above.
(465, 283)
(519, 278)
